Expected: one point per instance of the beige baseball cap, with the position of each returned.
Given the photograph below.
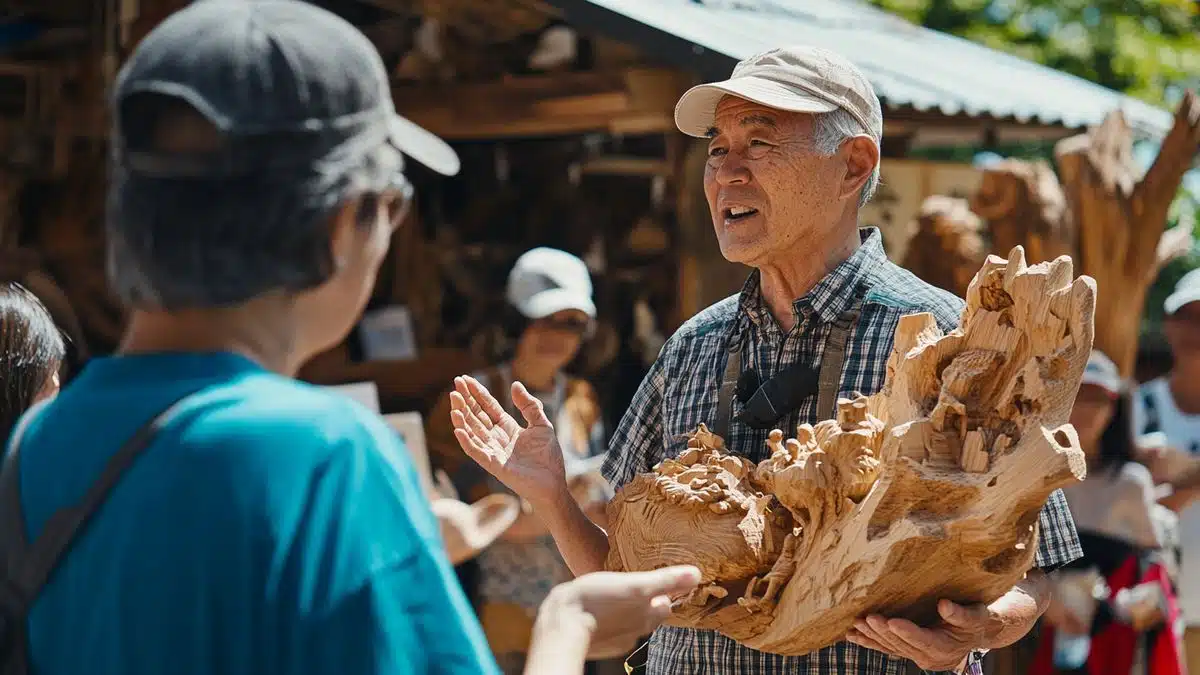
(798, 79)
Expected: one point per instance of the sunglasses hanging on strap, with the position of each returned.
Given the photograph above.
(765, 404)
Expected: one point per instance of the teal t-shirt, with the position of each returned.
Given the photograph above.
(272, 527)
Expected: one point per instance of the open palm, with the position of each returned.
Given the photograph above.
(528, 459)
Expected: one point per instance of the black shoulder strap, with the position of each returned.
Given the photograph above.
(829, 380)
(729, 381)
(829, 377)
(28, 567)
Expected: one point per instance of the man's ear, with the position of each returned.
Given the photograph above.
(345, 232)
(862, 156)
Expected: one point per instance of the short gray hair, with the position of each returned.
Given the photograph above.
(833, 128)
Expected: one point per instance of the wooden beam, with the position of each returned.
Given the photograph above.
(630, 101)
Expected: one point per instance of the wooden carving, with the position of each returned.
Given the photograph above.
(1103, 213)
(948, 246)
(929, 489)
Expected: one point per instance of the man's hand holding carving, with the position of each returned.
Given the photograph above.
(963, 629)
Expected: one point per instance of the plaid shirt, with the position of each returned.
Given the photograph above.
(680, 391)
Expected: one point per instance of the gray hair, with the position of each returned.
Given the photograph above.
(833, 128)
(205, 243)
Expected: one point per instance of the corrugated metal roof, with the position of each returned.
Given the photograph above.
(907, 64)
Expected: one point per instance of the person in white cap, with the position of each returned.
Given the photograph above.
(793, 142)
(1171, 405)
(551, 310)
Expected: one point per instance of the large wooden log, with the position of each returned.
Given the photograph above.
(1120, 218)
(929, 489)
(1101, 214)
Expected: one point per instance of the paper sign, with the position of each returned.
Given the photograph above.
(387, 334)
(411, 428)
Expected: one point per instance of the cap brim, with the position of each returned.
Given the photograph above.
(1178, 299)
(697, 108)
(1110, 384)
(557, 300)
(423, 146)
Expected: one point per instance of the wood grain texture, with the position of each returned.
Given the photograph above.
(929, 489)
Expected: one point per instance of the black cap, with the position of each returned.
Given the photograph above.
(264, 70)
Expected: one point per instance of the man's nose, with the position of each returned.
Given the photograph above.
(732, 170)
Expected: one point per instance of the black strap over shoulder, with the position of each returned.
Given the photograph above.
(27, 567)
(828, 381)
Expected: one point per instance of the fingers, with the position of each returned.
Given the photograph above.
(875, 630)
(659, 610)
(664, 581)
(970, 617)
(863, 641)
(471, 421)
(462, 399)
(531, 408)
(913, 639)
(474, 448)
(487, 403)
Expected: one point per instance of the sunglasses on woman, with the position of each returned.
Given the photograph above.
(574, 326)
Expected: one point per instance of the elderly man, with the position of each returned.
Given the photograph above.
(793, 141)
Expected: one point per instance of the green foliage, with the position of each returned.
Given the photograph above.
(1146, 48)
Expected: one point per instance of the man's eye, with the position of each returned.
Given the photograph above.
(759, 143)
(716, 152)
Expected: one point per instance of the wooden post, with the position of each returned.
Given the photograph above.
(1101, 213)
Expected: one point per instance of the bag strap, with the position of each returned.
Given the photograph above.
(729, 381)
(29, 566)
(829, 378)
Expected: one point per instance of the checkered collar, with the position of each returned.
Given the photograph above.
(832, 295)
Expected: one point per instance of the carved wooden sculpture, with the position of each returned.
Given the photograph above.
(1102, 214)
(947, 247)
(929, 489)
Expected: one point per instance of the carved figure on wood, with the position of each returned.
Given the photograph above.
(929, 489)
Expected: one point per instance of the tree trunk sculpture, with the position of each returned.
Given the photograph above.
(1101, 214)
(947, 247)
(929, 489)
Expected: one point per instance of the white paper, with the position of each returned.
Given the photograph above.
(411, 428)
(387, 334)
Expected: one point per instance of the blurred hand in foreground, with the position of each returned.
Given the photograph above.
(602, 615)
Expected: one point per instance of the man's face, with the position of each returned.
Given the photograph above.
(1183, 332)
(767, 187)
